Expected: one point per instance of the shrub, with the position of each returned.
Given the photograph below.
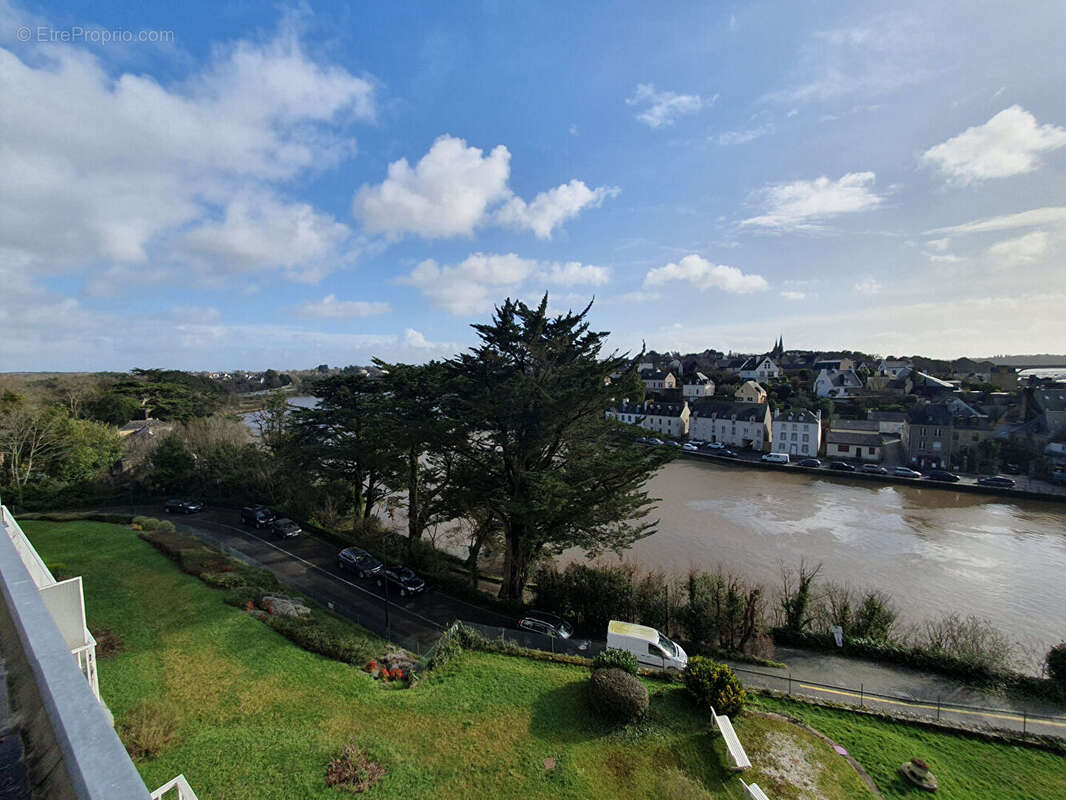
(146, 731)
(326, 636)
(714, 686)
(1055, 663)
(618, 659)
(618, 696)
(352, 771)
(153, 524)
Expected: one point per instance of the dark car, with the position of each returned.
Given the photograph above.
(257, 516)
(402, 578)
(727, 453)
(285, 528)
(942, 475)
(843, 466)
(874, 469)
(996, 480)
(359, 561)
(809, 462)
(547, 624)
(183, 506)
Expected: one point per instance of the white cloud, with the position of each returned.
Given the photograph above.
(940, 245)
(446, 193)
(99, 171)
(1050, 215)
(1008, 144)
(261, 231)
(1021, 250)
(793, 295)
(453, 189)
(481, 280)
(329, 307)
(868, 286)
(805, 204)
(552, 208)
(702, 274)
(742, 137)
(661, 109)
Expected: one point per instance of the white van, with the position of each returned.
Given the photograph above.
(776, 458)
(652, 649)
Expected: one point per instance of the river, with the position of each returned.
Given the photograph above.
(934, 551)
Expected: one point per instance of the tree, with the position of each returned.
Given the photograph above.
(30, 438)
(272, 421)
(173, 466)
(89, 447)
(114, 409)
(418, 430)
(537, 450)
(345, 437)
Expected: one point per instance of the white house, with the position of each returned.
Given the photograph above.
(837, 383)
(734, 424)
(893, 369)
(759, 369)
(697, 386)
(657, 380)
(796, 431)
(750, 392)
(668, 419)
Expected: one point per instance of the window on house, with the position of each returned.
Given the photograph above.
(871, 450)
(806, 437)
(843, 448)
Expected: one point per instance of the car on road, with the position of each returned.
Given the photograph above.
(643, 440)
(809, 462)
(673, 443)
(713, 446)
(257, 516)
(727, 453)
(775, 458)
(546, 624)
(906, 472)
(182, 506)
(285, 528)
(697, 442)
(874, 469)
(996, 480)
(942, 475)
(656, 441)
(359, 562)
(843, 466)
(401, 578)
(689, 447)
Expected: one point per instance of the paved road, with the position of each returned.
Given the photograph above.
(309, 565)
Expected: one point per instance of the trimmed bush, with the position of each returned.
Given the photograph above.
(153, 524)
(1055, 663)
(714, 686)
(618, 659)
(326, 636)
(618, 696)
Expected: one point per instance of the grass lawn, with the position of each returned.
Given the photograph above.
(253, 716)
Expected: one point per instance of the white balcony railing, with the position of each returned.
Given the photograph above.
(178, 785)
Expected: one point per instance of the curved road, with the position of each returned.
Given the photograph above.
(309, 565)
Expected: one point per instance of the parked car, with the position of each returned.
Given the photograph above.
(656, 441)
(285, 528)
(402, 578)
(652, 649)
(809, 462)
(180, 506)
(906, 472)
(697, 442)
(942, 475)
(775, 458)
(673, 443)
(257, 516)
(713, 446)
(726, 452)
(690, 447)
(843, 466)
(547, 624)
(996, 480)
(359, 562)
(874, 469)
(642, 440)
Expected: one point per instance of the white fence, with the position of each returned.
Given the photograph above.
(179, 785)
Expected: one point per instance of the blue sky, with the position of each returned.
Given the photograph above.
(281, 186)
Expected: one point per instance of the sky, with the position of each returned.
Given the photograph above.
(214, 186)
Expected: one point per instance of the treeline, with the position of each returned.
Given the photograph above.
(722, 613)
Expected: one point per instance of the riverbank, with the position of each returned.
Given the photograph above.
(1026, 488)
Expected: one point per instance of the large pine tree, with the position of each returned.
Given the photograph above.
(539, 453)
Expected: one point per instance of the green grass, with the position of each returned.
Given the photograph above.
(967, 768)
(253, 716)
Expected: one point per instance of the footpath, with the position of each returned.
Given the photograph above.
(902, 692)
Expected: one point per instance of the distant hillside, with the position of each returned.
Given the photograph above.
(1041, 359)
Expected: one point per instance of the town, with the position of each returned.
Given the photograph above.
(880, 415)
